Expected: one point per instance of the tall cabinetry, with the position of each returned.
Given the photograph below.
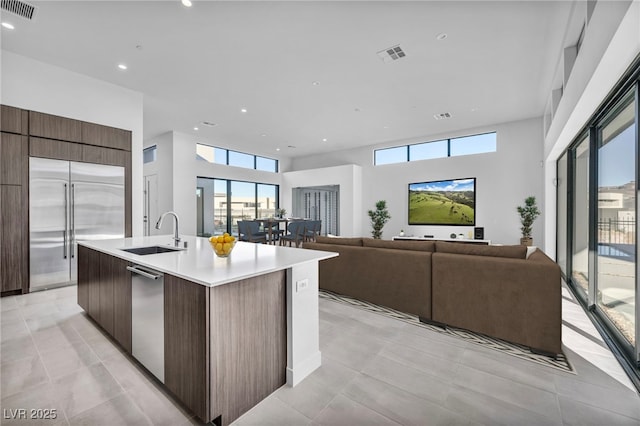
(35, 134)
(14, 181)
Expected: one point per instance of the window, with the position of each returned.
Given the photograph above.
(476, 144)
(391, 155)
(467, 145)
(428, 150)
(600, 236)
(266, 164)
(225, 202)
(213, 154)
(240, 159)
(149, 154)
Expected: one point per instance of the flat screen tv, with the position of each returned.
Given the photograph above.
(443, 202)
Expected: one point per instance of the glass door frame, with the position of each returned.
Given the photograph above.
(607, 109)
(229, 195)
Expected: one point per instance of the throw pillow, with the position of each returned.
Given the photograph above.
(514, 252)
(400, 245)
(340, 241)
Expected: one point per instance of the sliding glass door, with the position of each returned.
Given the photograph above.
(580, 217)
(616, 221)
(597, 218)
(224, 202)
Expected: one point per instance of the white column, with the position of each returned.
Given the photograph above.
(303, 322)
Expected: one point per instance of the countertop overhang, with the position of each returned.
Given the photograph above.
(199, 264)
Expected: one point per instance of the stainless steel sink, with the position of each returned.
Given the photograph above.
(143, 251)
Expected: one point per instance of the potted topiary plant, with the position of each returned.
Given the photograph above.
(528, 214)
(379, 217)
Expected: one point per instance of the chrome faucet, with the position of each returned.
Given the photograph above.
(176, 235)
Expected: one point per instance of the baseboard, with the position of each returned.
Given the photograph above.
(302, 369)
(432, 322)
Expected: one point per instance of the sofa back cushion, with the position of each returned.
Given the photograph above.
(400, 245)
(340, 241)
(514, 252)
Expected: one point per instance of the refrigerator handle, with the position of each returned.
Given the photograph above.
(73, 220)
(148, 200)
(66, 223)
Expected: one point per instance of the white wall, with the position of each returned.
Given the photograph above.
(611, 43)
(348, 177)
(38, 86)
(504, 179)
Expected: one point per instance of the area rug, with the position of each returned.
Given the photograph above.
(559, 363)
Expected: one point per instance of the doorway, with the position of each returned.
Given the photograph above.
(319, 203)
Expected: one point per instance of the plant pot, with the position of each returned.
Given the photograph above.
(526, 242)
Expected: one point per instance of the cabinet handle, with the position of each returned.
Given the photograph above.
(143, 273)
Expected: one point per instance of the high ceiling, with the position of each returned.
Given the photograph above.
(207, 62)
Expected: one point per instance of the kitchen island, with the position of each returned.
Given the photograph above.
(220, 333)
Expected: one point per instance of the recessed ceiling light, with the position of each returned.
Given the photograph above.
(441, 36)
(385, 127)
(243, 110)
(186, 3)
(324, 139)
(263, 135)
(122, 66)
(277, 149)
(316, 83)
(8, 26)
(195, 128)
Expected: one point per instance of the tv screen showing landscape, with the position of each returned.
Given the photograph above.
(443, 202)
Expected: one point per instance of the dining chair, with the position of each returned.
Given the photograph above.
(296, 233)
(275, 231)
(249, 230)
(313, 229)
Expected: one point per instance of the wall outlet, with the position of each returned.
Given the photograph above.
(302, 285)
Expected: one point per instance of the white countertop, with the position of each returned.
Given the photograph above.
(199, 264)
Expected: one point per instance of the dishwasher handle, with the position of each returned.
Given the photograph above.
(144, 273)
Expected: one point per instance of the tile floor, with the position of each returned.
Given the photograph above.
(375, 370)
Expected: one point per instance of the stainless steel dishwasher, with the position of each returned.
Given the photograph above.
(147, 318)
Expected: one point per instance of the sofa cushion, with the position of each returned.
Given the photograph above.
(340, 241)
(400, 245)
(514, 252)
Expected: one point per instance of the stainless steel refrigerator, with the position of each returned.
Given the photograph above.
(70, 202)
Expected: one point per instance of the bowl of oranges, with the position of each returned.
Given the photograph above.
(222, 244)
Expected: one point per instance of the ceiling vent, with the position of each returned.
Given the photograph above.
(20, 8)
(392, 53)
(208, 124)
(442, 116)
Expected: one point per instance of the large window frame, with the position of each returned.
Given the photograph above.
(231, 227)
(627, 87)
(227, 154)
(406, 149)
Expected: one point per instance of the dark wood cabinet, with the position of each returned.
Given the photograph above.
(14, 120)
(54, 127)
(13, 158)
(85, 276)
(115, 299)
(99, 155)
(105, 136)
(104, 292)
(186, 337)
(11, 238)
(58, 150)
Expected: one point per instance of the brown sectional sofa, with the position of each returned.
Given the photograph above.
(493, 290)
